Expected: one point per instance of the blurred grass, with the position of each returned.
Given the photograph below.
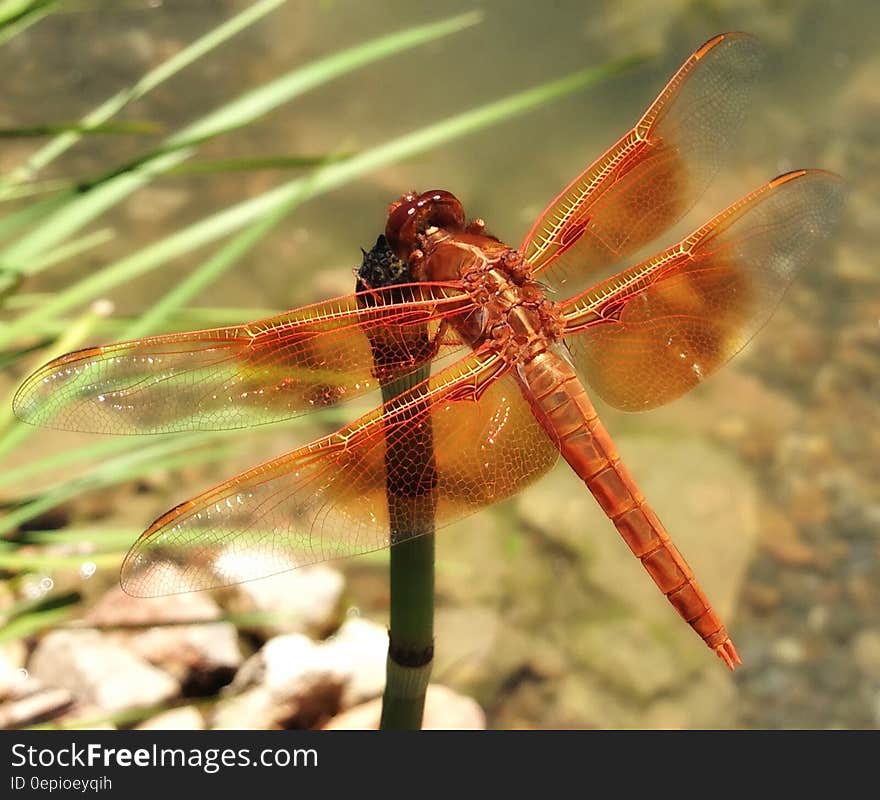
(41, 234)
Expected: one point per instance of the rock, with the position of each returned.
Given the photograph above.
(555, 506)
(466, 640)
(306, 600)
(866, 653)
(296, 682)
(291, 682)
(761, 597)
(185, 718)
(36, 706)
(788, 651)
(817, 618)
(473, 559)
(361, 648)
(782, 542)
(854, 267)
(254, 709)
(294, 665)
(99, 671)
(12, 672)
(444, 710)
(485, 656)
(627, 655)
(201, 656)
(582, 701)
(858, 103)
(706, 700)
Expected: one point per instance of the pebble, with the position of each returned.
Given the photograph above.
(201, 656)
(99, 672)
(37, 706)
(185, 718)
(445, 709)
(306, 600)
(866, 653)
(788, 650)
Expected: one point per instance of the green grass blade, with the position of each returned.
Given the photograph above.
(102, 538)
(70, 457)
(245, 109)
(165, 455)
(12, 432)
(29, 215)
(35, 188)
(211, 166)
(75, 247)
(16, 16)
(30, 624)
(147, 83)
(13, 10)
(142, 128)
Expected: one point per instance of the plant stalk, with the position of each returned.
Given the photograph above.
(410, 489)
(411, 576)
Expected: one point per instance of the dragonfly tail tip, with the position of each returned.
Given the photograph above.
(727, 653)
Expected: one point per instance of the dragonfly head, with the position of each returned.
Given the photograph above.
(414, 213)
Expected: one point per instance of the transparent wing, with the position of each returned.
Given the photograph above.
(650, 178)
(330, 499)
(245, 375)
(656, 330)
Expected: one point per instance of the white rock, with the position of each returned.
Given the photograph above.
(192, 653)
(296, 682)
(291, 682)
(35, 707)
(12, 671)
(100, 672)
(199, 653)
(294, 665)
(788, 650)
(185, 718)
(306, 600)
(444, 710)
(866, 653)
(254, 709)
(361, 649)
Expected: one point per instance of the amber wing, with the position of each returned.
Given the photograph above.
(659, 328)
(328, 499)
(245, 375)
(651, 177)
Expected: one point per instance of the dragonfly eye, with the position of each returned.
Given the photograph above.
(414, 214)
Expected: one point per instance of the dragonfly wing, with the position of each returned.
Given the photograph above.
(658, 329)
(329, 499)
(650, 178)
(245, 375)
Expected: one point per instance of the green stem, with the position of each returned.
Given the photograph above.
(411, 633)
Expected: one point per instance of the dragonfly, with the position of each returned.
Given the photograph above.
(507, 358)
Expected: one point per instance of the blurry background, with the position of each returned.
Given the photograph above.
(767, 476)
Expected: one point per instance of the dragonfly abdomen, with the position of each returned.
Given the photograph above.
(564, 409)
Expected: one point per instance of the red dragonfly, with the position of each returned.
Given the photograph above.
(515, 399)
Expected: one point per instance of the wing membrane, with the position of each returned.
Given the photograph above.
(330, 499)
(655, 331)
(651, 177)
(244, 375)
